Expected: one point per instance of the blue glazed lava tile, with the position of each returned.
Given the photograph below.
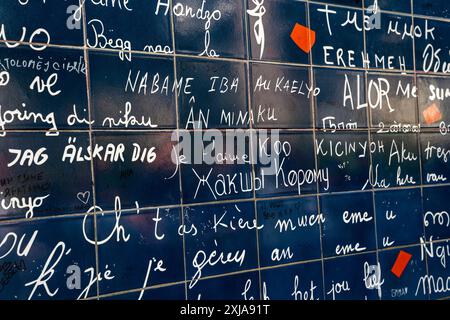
(355, 277)
(346, 157)
(342, 99)
(435, 158)
(137, 94)
(405, 286)
(348, 225)
(146, 251)
(389, 5)
(215, 165)
(175, 292)
(437, 8)
(217, 94)
(435, 283)
(54, 22)
(221, 239)
(433, 96)
(436, 218)
(143, 172)
(395, 161)
(25, 94)
(291, 226)
(281, 96)
(396, 106)
(387, 47)
(136, 25)
(338, 42)
(210, 28)
(353, 3)
(291, 167)
(296, 282)
(46, 183)
(432, 45)
(270, 26)
(399, 217)
(55, 254)
(243, 286)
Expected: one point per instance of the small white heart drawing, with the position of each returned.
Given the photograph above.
(84, 196)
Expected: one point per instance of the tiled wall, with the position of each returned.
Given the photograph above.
(115, 226)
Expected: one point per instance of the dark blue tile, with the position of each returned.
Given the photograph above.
(137, 167)
(215, 165)
(436, 210)
(210, 28)
(175, 292)
(216, 97)
(395, 161)
(434, 94)
(353, 3)
(270, 26)
(356, 277)
(405, 286)
(339, 42)
(236, 287)
(47, 256)
(388, 47)
(389, 5)
(346, 156)
(137, 25)
(341, 103)
(26, 101)
(392, 101)
(292, 169)
(299, 282)
(219, 239)
(436, 283)
(348, 225)
(34, 189)
(437, 8)
(281, 96)
(432, 47)
(291, 230)
(137, 94)
(435, 156)
(399, 217)
(55, 22)
(141, 249)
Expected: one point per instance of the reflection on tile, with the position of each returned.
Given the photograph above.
(30, 188)
(338, 42)
(299, 282)
(341, 103)
(281, 96)
(286, 165)
(403, 287)
(141, 249)
(136, 167)
(218, 33)
(399, 217)
(59, 250)
(393, 49)
(291, 230)
(349, 225)
(216, 97)
(55, 22)
(25, 96)
(108, 27)
(132, 95)
(243, 286)
(222, 239)
(270, 26)
(352, 278)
